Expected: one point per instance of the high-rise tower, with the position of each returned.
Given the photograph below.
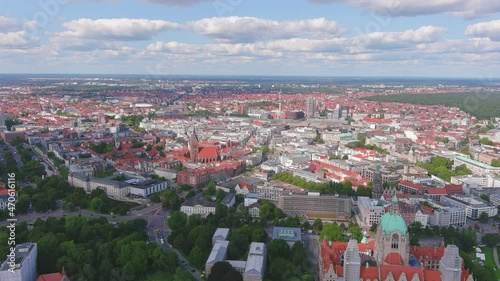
(377, 189)
(450, 265)
(352, 262)
(193, 146)
(310, 107)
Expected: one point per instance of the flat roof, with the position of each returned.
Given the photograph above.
(477, 163)
(22, 251)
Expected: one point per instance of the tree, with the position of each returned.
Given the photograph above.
(491, 239)
(182, 275)
(155, 198)
(317, 225)
(299, 255)
(278, 248)
(222, 271)
(485, 197)
(486, 141)
(177, 220)
(355, 232)
(211, 188)
(332, 232)
(483, 217)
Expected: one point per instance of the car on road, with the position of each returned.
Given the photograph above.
(193, 270)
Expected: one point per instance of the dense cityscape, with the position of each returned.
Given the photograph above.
(246, 179)
(250, 140)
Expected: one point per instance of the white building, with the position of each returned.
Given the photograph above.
(495, 199)
(476, 167)
(473, 207)
(370, 210)
(220, 234)
(422, 218)
(250, 199)
(256, 262)
(218, 254)
(198, 208)
(448, 216)
(269, 192)
(115, 189)
(145, 188)
(24, 264)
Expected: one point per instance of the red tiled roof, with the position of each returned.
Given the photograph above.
(208, 152)
(434, 252)
(454, 189)
(412, 185)
(50, 277)
(394, 259)
(437, 191)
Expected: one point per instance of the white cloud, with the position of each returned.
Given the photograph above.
(468, 9)
(13, 40)
(12, 25)
(489, 29)
(122, 29)
(251, 29)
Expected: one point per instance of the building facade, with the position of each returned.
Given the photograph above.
(24, 264)
(313, 205)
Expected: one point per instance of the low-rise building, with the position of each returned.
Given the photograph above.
(191, 207)
(290, 235)
(229, 200)
(115, 189)
(314, 205)
(256, 262)
(145, 188)
(495, 199)
(474, 207)
(254, 210)
(250, 199)
(370, 210)
(220, 234)
(269, 192)
(476, 167)
(218, 254)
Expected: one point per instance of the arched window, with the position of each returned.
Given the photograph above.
(395, 241)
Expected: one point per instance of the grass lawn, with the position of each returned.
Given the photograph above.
(490, 260)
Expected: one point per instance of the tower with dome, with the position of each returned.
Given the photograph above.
(389, 257)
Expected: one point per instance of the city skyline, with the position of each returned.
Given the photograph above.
(455, 38)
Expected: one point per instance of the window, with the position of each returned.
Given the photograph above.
(395, 241)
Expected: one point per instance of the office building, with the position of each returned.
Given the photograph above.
(370, 210)
(23, 264)
(473, 207)
(314, 205)
(310, 107)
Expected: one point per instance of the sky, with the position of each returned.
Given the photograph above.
(438, 38)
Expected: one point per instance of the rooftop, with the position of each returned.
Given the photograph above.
(22, 251)
(218, 252)
(287, 233)
(476, 163)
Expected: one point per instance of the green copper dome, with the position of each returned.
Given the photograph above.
(393, 222)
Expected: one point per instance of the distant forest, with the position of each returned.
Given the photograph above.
(482, 105)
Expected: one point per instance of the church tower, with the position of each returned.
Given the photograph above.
(193, 146)
(352, 262)
(392, 241)
(450, 265)
(377, 189)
